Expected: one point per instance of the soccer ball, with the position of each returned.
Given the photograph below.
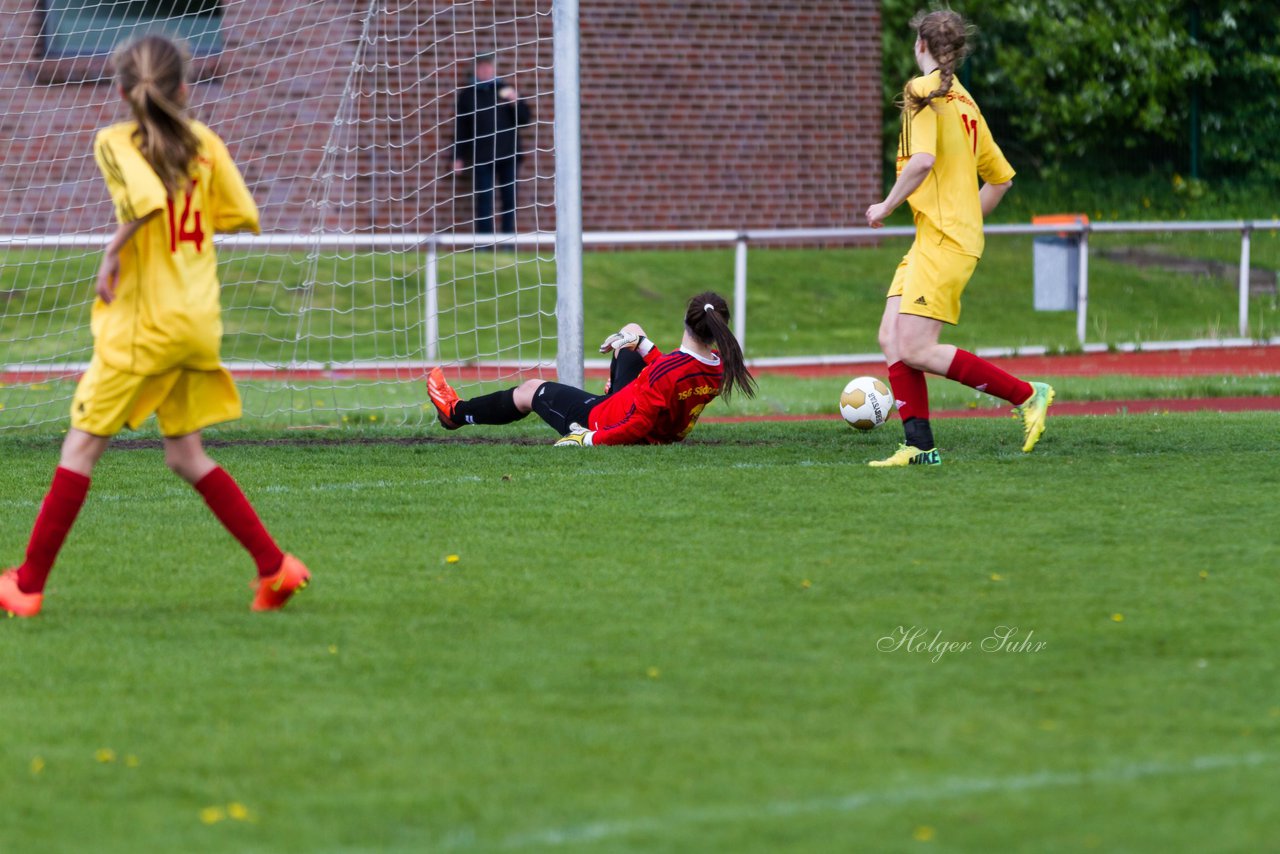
(866, 403)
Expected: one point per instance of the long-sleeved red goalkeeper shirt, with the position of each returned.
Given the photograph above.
(661, 405)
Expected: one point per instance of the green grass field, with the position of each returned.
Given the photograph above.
(724, 646)
(666, 649)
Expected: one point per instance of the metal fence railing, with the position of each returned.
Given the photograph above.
(741, 240)
(1079, 231)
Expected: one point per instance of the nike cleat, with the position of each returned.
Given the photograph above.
(444, 398)
(1034, 412)
(275, 590)
(908, 455)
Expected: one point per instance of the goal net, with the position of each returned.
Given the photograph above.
(378, 258)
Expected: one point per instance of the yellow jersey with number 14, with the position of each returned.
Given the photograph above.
(166, 313)
(947, 210)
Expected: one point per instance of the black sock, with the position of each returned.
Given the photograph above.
(919, 433)
(498, 407)
(613, 372)
(625, 366)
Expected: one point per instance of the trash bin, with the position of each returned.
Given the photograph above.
(1056, 264)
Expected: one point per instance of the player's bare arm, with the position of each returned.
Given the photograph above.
(991, 194)
(109, 270)
(909, 180)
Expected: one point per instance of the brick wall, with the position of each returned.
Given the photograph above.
(694, 115)
(729, 114)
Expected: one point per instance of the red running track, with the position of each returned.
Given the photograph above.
(1224, 361)
(1062, 407)
(1208, 361)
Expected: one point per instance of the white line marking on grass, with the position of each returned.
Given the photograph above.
(272, 489)
(34, 499)
(596, 831)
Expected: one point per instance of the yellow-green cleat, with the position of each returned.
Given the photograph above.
(1034, 413)
(908, 455)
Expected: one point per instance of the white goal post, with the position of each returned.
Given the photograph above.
(380, 257)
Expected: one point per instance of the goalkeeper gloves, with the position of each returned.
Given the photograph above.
(577, 437)
(626, 340)
(621, 341)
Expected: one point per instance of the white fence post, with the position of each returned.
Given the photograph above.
(1082, 291)
(1244, 279)
(740, 291)
(432, 303)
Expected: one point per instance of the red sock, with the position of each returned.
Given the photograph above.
(910, 391)
(237, 515)
(978, 373)
(57, 515)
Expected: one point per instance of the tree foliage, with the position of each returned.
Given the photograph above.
(1114, 85)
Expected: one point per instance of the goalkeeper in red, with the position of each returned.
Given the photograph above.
(944, 148)
(157, 322)
(653, 398)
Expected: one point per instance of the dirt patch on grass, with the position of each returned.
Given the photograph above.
(304, 440)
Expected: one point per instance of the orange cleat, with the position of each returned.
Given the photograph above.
(444, 398)
(275, 590)
(13, 601)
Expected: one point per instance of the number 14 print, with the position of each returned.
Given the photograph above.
(183, 228)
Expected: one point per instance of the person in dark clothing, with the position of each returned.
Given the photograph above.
(487, 140)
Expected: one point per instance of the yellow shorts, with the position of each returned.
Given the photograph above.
(930, 280)
(183, 400)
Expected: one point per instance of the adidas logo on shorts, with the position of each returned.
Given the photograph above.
(920, 301)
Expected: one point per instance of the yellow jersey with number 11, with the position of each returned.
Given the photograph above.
(947, 210)
(166, 313)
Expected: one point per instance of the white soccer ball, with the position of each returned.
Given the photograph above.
(866, 403)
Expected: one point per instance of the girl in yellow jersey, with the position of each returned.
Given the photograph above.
(157, 322)
(944, 147)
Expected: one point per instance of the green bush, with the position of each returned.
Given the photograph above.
(1117, 88)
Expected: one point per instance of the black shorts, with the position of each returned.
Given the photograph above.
(561, 405)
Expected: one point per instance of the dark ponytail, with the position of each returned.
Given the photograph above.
(707, 319)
